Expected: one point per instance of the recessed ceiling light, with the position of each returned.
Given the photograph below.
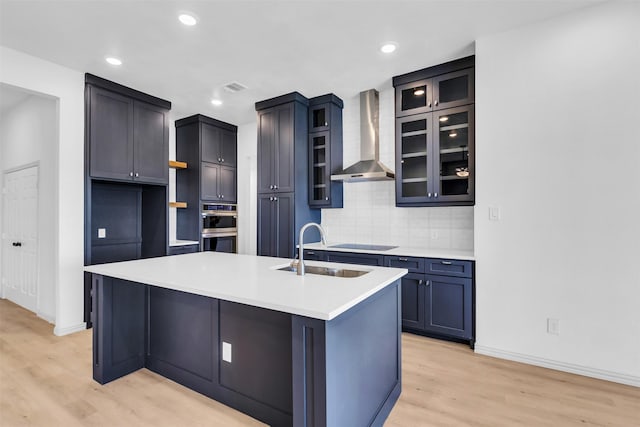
(216, 102)
(453, 134)
(188, 19)
(418, 92)
(113, 61)
(444, 118)
(388, 47)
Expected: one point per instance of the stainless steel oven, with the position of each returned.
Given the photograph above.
(219, 227)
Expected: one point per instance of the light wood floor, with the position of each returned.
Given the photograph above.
(47, 381)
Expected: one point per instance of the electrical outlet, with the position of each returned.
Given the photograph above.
(102, 233)
(226, 352)
(553, 326)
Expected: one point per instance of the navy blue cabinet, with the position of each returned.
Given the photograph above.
(435, 135)
(355, 258)
(448, 306)
(283, 167)
(325, 151)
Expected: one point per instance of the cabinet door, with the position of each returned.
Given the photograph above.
(454, 155)
(453, 89)
(227, 184)
(449, 306)
(111, 135)
(319, 117)
(209, 182)
(228, 148)
(151, 144)
(319, 169)
(267, 120)
(413, 295)
(284, 154)
(414, 98)
(266, 225)
(414, 152)
(284, 233)
(211, 141)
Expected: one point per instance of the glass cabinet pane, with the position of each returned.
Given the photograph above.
(414, 142)
(413, 98)
(453, 89)
(454, 153)
(319, 172)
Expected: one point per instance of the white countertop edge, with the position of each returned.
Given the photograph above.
(400, 251)
(104, 269)
(183, 242)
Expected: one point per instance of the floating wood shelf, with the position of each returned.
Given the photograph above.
(178, 205)
(177, 165)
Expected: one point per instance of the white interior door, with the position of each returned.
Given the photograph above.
(20, 237)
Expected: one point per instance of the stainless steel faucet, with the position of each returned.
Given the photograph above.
(300, 268)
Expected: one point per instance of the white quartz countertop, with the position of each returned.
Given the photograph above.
(183, 242)
(400, 251)
(255, 281)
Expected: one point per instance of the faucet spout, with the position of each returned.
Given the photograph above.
(300, 269)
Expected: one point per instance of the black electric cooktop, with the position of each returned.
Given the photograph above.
(363, 247)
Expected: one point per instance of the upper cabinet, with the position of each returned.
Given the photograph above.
(437, 92)
(218, 145)
(276, 149)
(128, 133)
(435, 135)
(325, 151)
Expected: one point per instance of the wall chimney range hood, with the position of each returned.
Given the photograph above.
(369, 167)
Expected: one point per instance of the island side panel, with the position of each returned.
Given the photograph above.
(118, 327)
(255, 378)
(183, 338)
(347, 371)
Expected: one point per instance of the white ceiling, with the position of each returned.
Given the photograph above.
(273, 47)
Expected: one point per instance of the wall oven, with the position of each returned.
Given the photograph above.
(220, 227)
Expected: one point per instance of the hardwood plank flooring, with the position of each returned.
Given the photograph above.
(47, 381)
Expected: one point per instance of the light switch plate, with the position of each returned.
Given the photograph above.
(226, 351)
(494, 213)
(102, 233)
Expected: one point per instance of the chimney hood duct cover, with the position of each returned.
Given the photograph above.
(369, 167)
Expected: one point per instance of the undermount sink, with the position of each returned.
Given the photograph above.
(327, 271)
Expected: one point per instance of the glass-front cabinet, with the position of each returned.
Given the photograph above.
(453, 154)
(319, 152)
(413, 157)
(437, 93)
(435, 135)
(325, 151)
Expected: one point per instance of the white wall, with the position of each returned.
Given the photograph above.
(25, 71)
(29, 134)
(247, 188)
(558, 146)
(369, 214)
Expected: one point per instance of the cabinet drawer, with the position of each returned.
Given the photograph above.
(187, 249)
(450, 267)
(413, 264)
(313, 255)
(355, 258)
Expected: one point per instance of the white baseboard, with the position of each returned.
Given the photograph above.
(69, 329)
(46, 317)
(616, 377)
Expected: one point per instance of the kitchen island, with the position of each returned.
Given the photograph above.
(288, 350)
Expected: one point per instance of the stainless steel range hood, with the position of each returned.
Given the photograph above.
(369, 167)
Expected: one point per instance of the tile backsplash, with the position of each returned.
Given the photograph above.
(370, 216)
